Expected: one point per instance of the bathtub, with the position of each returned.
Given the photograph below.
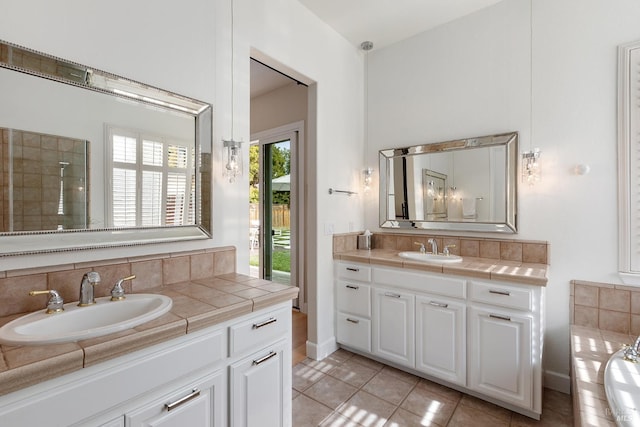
(622, 386)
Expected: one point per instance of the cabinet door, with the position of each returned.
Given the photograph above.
(257, 389)
(198, 405)
(393, 326)
(500, 355)
(440, 338)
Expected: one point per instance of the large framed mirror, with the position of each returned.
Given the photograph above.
(462, 185)
(90, 159)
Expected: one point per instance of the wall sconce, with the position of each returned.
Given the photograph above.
(367, 179)
(232, 157)
(531, 167)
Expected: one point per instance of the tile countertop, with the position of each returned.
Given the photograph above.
(483, 268)
(196, 305)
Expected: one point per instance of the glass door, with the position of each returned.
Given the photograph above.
(272, 229)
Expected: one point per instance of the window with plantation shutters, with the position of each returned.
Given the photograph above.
(150, 179)
(629, 162)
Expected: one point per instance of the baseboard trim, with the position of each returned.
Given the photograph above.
(557, 381)
(319, 352)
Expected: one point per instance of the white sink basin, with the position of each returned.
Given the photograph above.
(79, 323)
(438, 259)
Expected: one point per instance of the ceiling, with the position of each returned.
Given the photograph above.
(382, 22)
(385, 22)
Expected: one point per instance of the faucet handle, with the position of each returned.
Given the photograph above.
(93, 277)
(422, 248)
(117, 293)
(55, 303)
(445, 251)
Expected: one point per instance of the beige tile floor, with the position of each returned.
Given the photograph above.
(346, 389)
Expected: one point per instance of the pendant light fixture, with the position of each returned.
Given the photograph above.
(232, 152)
(531, 159)
(367, 173)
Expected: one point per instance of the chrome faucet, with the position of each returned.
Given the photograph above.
(632, 353)
(422, 248)
(434, 246)
(89, 280)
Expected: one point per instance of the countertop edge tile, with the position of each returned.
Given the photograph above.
(218, 315)
(274, 298)
(46, 369)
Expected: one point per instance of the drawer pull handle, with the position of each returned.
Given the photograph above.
(353, 287)
(353, 269)
(356, 321)
(392, 295)
(506, 293)
(265, 358)
(497, 316)
(265, 323)
(170, 406)
(438, 304)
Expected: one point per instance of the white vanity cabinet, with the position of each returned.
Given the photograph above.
(393, 325)
(353, 302)
(234, 373)
(483, 337)
(505, 342)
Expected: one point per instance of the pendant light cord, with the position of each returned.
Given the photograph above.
(232, 79)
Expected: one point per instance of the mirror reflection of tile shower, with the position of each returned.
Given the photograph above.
(44, 182)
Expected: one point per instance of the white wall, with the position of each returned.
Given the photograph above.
(285, 35)
(473, 77)
(278, 108)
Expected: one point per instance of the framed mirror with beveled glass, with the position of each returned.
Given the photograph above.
(461, 185)
(91, 159)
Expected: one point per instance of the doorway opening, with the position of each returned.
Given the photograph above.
(276, 163)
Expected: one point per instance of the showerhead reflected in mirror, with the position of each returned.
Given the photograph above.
(46, 181)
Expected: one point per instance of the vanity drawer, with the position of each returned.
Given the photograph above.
(354, 298)
(358, 272)
(501, 295)
(354, 331)
(258, 330)
(421, 282)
